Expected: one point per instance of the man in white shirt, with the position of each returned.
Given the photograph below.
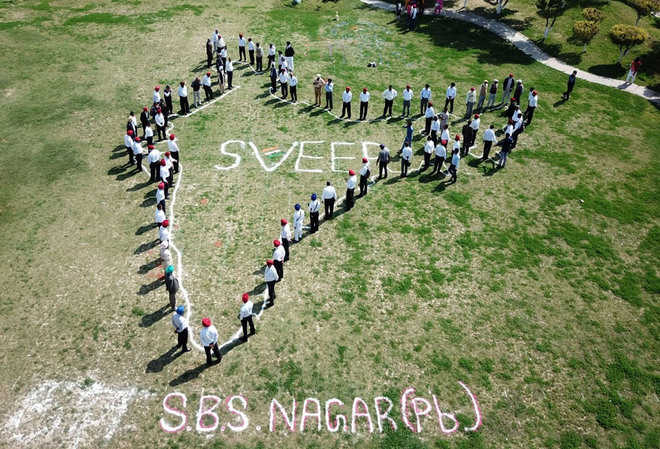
(429, 115)
(271, 277)
(346, 98)
(470, 99)
(160, 124)
(153, 158)
(221, 42)
(285, 236)
(271, 55)
(183, 98)
(128, 143)
(406, 159)
(474, 126)
(180, 324)
(364, 176)
(206, 84)
(149, 135)
(156, 95)
(131, 124)
(413, 17)
(424, 98)
(435, 128)
(284, 83)
(164, 173)
(223, 58)
(293, 87)
(531, 107)
(364, 103)
(453, 168)
(314, 208)
(329, 86)
(429, 146)
(137, 153)
(164, 232)
(278, 258)
(159, 216)
(389, 95)
(444, 136)
(208, 337)
(229, 68)
(329, 196)
(440, 156)
(245, 315)
(489, 138)
(214, 40)
(165, 254)
(450, 97)
(250, 46)
(351, 183)
(241, 48)
(407, 96)
(298, 218)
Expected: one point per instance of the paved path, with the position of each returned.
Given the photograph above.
(528, 47)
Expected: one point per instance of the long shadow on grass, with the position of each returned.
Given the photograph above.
(147, 267)
(189, 375)
(142, 229)
(146, 246)
(157, 365)
(146, 288)
(138, 186)
(151, 318)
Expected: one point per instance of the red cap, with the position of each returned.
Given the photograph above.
(208, 73)
(364, 89)
(407, 86)
(157, 88)
(430, 103)
(534, 92)
(443, 142)
(162, 162)
(137, 138)
(276, 243)
(151, 147)
(145, 108)
(471, 88)
(365, 160)
(129, 132)
(171, 136)
(240, 34)
(458, 137)
(158, 110)
(351, 172)
(513, 99)
(476, 115)
(167, 153)
(269, 262)
(283, 221)
(245, 297)
(161, 185)
(165, 223)
(206, 322)
(510, 74)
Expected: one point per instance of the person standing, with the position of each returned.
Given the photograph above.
(278, 258)
(389, 95)
(250, 47)
(450, 97)
(288, 55)
(470, 99)
(229, 68)
(214, 40)
(183, 98)
(293, 87)
(165, 254)
(245, 316)
(632, 72)
(180, 324)
(483, 90)
(241, 48)
(440, 155)
(517, 92)
(453, 168)
(444, 118)
(196, 86)
(474, 126)
(285, 235)
(397, 10)
(260, 58)
(160, 217)
(284, 83)
(489, 138)
(531, 107)
(281, 61)
(153, 157)
(223, 58)
(160, 197)
(507, 143)
(413, 17)
(314, 208)
(435, 128)
(128, 143)
(429, 115)
(445, 134)
(492, 94)
(570, 84)
(271, 56)
(171, 285)
(271, 277)
(407, 96)
(167, 94)
(346, 98)
(208, 337)
(328, 94)
(382, 161)
(221, 42)
(364, 103)
(298, 219)
(507, 88)
(424, 99)
(156, 95)
(329, 196)
(144, 120)
(149, 134)
(457, 144)
(518, 128)
(160, 124)
(206, 83)
(174, 150)
(429, 146)
(164, 173)
(131, 124)
(273, 79)
(318, 84)
(351, 183)
(364, 176)
(137, 153)
(209, 53)
(406, 158)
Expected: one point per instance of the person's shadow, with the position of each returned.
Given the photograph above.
(157, 365)
(154, 317)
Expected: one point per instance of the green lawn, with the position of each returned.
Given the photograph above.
(537, 285)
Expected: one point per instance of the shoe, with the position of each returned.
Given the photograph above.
(185, 350)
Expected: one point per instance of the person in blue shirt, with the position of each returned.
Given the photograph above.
(329, 86)
(409, 134)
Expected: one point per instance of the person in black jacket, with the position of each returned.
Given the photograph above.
(131, 124)
(570, 85)
(197, 96)
(273, 79)
(209, 53)
(507, 143)
(144, 120)
(167, 95)
(171, 284)
(288, 55)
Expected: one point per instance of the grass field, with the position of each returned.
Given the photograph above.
(537, 285)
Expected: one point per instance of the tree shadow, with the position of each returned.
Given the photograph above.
(147, 267)
(153, 317)
(609, 70)
(146, 246)
(157, 365)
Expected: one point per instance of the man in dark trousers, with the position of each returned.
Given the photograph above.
(260, 58)
(167, 95)
(183, 98)
(314, 208)
(570, 85)
(285, 235)
(245, 315)
(364, 176)
(383, 160)
(329, 197)
(507, 143)
(128, 143)
(273, 79)
(144, 120)
(271, 277)
(209, 53)
(208, 337)
(351, 183)
(278, 259)
(180, 324)
(131, 124)
(171, 284)
(250, 45)
(229, 68)
(288, 55)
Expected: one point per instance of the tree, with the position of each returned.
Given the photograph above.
(550, 10)
(626, 37)
(592, 15)
(584, 31)
(643, 7)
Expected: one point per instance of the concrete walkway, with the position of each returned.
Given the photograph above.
(528, 47)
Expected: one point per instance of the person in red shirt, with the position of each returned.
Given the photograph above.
(634, 68)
